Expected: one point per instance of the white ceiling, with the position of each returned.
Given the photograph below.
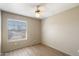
(28, 9)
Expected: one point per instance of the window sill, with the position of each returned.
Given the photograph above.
(17, 40)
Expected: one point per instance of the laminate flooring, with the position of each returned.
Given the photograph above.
(36, 50)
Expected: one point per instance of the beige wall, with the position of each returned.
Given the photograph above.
(33, 32)
(61, 31)
(0, 32)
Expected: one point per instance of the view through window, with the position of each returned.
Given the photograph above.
(16, 29)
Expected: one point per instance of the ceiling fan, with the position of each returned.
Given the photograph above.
(38, 11)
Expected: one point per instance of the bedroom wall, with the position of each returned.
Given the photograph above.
(61, 31)
(33, 32)
(0, 32)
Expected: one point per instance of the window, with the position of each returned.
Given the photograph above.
(17, 29)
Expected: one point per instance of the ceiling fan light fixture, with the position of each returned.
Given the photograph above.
(37, 12)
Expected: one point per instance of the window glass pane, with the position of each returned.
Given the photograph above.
(16, 29)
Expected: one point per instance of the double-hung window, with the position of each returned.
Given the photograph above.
(17, 29)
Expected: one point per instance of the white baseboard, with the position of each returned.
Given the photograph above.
(47, 44)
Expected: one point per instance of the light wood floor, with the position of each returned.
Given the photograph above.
(36, 50)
